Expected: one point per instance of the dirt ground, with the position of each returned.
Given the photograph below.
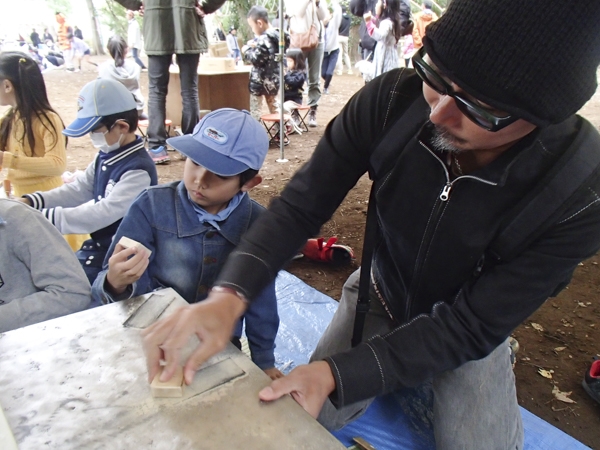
(562, 337)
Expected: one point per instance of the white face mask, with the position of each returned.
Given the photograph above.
(99, 141)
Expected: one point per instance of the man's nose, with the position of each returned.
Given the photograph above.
(445, 112)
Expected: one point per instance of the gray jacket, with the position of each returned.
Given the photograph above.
(40, 277)
(173, 26)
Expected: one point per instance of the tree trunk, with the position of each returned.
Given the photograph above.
(96, 42)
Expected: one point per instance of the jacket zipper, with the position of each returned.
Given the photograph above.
(438, 207)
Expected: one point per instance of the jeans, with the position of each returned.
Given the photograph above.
(328, 66)
(314, 58)
(136, 58)
(158, 82)
(474, 406)
(344, 57)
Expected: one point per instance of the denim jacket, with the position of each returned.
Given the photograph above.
(188, 255)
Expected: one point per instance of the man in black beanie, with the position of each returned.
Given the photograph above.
(486, 197)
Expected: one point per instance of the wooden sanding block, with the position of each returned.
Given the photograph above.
(171, 388)
(128, 243)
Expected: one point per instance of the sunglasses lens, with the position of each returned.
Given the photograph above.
(474, 114)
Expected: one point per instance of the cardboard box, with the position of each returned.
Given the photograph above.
(208, 64)
(218, 49)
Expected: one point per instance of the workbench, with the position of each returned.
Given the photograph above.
(80, 382)
(215, 90)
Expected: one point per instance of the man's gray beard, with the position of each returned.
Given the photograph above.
(442, 141)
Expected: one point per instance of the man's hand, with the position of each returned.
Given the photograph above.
(212, 321)
(199, 10)
(309, 385)
(125, 267)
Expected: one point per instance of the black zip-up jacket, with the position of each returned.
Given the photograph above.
(434, 232)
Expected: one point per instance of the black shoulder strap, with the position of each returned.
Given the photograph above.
(382, 160)
(533, 215)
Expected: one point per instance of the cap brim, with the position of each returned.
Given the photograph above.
(206, 156)
(80, 127)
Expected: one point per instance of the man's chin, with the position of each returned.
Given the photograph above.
(445, 141)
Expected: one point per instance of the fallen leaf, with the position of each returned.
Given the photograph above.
(583, 305)
(545, 373)
(562, 396)
(559, 349)
(580, 264)
(537, 326)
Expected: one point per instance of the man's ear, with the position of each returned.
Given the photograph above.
(251, 183)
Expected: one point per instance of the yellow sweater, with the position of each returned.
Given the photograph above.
(25, 170)
(29, 173)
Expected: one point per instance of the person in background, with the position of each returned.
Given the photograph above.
(48, 36)
(80, 51)
(77, 32)
(63, 42)
(233, 45)
(124, 71)
(422, 20)
(458, 148)
(172, 27)
(304, 14)
(261, 53)
(360, 8)
(134, 38)
(331, 49)
(407, 49)
(190, 226)
(387, 34)
(294, 79)
(32, 147)
(40, 277)
(96, 201)
(35, 38)
(343, 37)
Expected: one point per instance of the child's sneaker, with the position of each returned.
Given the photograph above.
(330, 252)
(159, 155)
(591, 381)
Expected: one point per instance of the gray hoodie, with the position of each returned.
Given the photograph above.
(128, 75)
(40, 276)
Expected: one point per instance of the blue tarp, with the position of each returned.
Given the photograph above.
(395, 421)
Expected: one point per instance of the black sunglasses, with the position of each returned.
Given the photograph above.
(477, 114)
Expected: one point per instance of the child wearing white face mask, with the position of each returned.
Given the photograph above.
(96, 201)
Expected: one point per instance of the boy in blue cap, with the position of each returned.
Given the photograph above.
(190, 227)
(96, 201)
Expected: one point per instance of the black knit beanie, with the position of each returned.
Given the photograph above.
(536, 59)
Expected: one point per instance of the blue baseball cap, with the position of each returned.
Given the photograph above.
(99, 98)
(226, 142)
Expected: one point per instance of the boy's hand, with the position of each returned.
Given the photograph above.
(24, 200)
(212, 321)
(309, 385)
(274, 373)
(125, 267)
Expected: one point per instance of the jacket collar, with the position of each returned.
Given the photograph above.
(232, 228)
(541, 144)
(121, 153)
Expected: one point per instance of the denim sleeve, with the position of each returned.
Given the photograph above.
(262, 323)
(136, 225)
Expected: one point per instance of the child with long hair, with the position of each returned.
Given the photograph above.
(295, 76)
(32, 147)
(124, 71)
(387, 33)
